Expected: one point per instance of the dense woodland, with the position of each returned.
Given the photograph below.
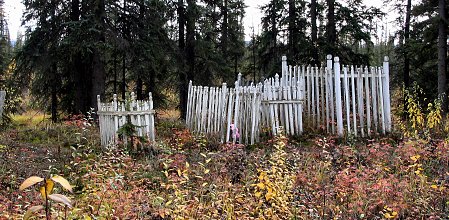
(75, 50)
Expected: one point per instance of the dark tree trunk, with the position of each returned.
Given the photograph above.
(79, 71)
(189, 54)
(293, 30)
(54, 94)
(115, 71)
(183, 82)
(98, 69)
(190, 40)
(274, 31)
(442, 51)
(224, 39)
(313, 15)
(139, 82)
(406, 45)
(139, 88)
(124, 55)
(98, 79)
(331, 29)
(123, 76)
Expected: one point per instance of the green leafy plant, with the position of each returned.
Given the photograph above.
(46, 186)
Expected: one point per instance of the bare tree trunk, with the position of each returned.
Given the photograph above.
(406, 44)
(313, 14)
(54, 94)
(442, 50)
(181, 71)
(224, 39)
(292, 30)
(331, 29)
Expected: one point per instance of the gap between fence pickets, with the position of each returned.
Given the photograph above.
(113, 115)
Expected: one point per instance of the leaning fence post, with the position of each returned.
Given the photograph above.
(386, 91)
(338, 108)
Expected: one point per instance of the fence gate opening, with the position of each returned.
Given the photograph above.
(113, 115)
(336, 99)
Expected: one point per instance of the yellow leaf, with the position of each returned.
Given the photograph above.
(415, 158)
(269, 196)
(64, 183)
(61, 199)
(86, 217)
(394, 214)
(204, 184)
(434, 186)
(30, 181)
(261, 186)
(208, 160)
(165, 173)
(204, 155)
(179, 172)
(258, 194)
(168, 203)
(32, 210)
(47, 190)
(206, 171)
(187, 164)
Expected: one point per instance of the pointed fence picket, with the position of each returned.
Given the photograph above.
(113, 115)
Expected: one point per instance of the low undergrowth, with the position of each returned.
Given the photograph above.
(183, 176)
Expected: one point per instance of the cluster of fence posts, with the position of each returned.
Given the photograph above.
(230, 113)
(349, 99)
(2, 103)
(113, 115)
(337, 99)
(282, 100)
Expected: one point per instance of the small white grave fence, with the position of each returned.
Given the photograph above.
(113, 115)
(347, 99)
(231, 113)
(337, 99)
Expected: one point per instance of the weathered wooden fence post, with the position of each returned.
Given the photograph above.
(386, 93)
(338, 106)
(2, 103)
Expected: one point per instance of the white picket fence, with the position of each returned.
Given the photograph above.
(230, 113)
(282, 101)
(339, 100)
(113, 115)
(2, 102)
(347, 99)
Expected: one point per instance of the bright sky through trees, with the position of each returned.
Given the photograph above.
(14, 9)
